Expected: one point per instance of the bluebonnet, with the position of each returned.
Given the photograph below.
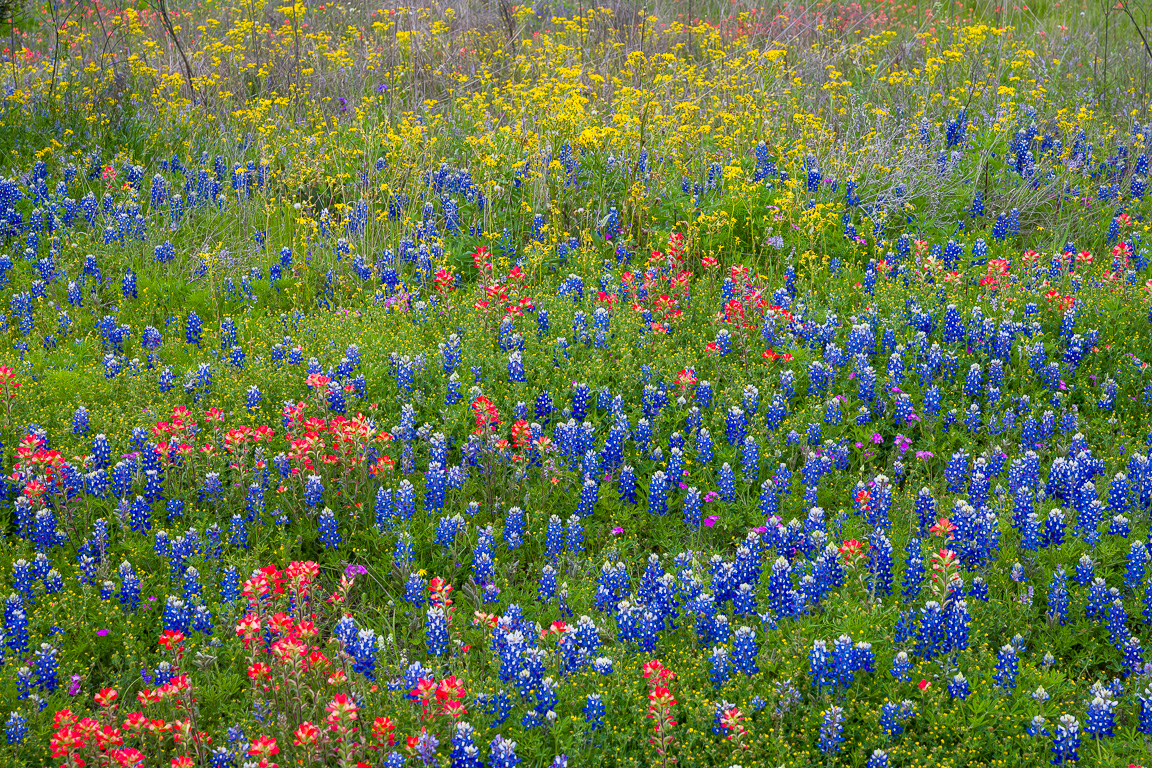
(1054, 528)
(574, 536)
(16, 728)
(1117, 623)
(1101, 720)
(594, 711)
(329, 529)
(1066, 740)
(658, 493)
(1144, 713)
(831, 730)
(1058, 597)
(1099, 598)
(727, 483)
(502, 753)
(436, 631)
(880, 563)
(129, 587)
(514, 528)
(554, 539)
(626, 485)
(901, 666)
(1119, 525)
(1085, 571)
(930, 638)
(1007, 668)
(894, 716)
(547, 587)
(46, 667)
(780, 589)
(402, 552)
(735, 426)
(692, 508)
(913, 570)
(745, 650)
(1135, 565)
(1133, 656)
(177, 616)
(721, 666)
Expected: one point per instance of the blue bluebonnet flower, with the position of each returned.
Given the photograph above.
(46, 668)
(913, 570)
(894, 716)
(1085, 571)
(901, 666)
(626, 485)
(1066, 740)
(693, 504)
(547, 587)
(514, 528)
(1101, 720)
(574, 536)
(958, 687)
(1133, 655)
(594, 711)
(780, 589)
(880, 563)
(329, 529)
(16, 728)
(721, 666)
(80, 421)
(930, 638)
(1053, 529)
(703, 394)
(516, 367)
(464, 753)
(554, 539)
(1135, 565)
(1119, 525)
(402, 552)
(177, 617)
(1117, 623)
(502, 753)
(436, 631)
(831, 730)
(727, 483)
(658, 494)
(735, 426)
(1099, 598)
(1058, 597)
(1144, 712)
(1007, 668)
(745, 651)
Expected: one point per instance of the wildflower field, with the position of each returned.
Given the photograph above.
(503, 385)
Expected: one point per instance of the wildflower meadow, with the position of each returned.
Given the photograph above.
(697, 383)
